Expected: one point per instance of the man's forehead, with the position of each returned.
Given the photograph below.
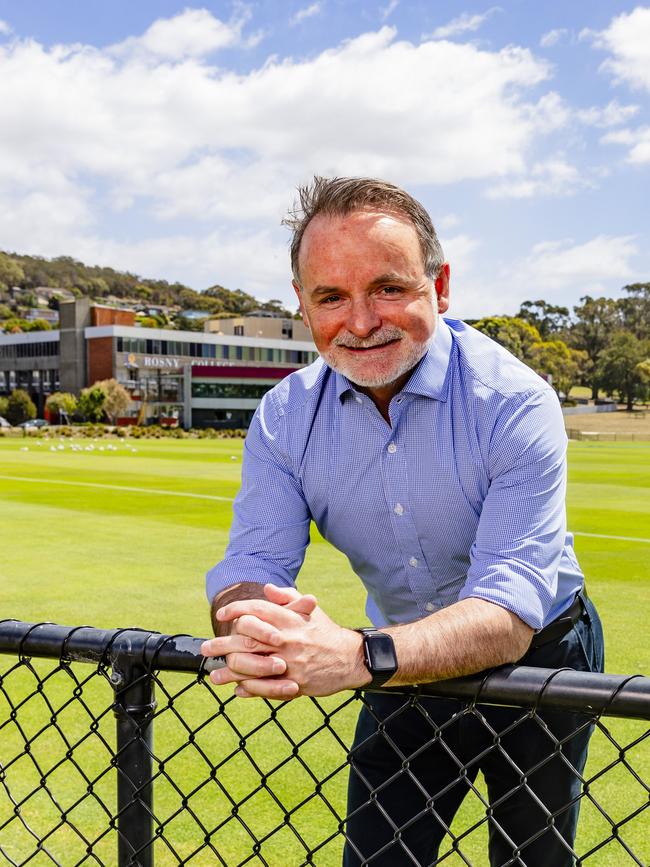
(328, 234)
(358, 220)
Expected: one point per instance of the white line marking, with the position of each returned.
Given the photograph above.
(618, 538)
(230, 500)
(121, 488)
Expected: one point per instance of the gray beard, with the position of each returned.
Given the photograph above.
(370, 380)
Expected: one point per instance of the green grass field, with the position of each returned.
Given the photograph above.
(121, 534)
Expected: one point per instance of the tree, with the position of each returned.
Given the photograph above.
(564, 365)
(20, 407)
(11, 274)
(635, 309)
(117, 398)
(511, 332)
(622, 365)
(596, 319)
(61, 403)
(3, 406)
(548, 319)
(91, 403)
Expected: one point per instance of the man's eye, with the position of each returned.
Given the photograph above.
(330, 299)
(392, 290)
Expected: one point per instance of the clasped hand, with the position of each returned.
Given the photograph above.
(284, 646)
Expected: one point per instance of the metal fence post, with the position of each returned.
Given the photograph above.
(134, 704)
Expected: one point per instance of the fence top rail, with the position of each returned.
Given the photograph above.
(611, 695)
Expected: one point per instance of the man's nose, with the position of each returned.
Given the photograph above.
(363, 318)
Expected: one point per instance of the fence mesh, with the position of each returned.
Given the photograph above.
(91, 767)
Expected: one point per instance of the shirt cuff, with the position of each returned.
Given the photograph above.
(235, 570)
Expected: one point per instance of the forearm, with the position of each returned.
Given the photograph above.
(464, 638)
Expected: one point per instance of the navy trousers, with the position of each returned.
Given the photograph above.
(406, 784)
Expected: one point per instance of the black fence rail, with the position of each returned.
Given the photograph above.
(233, 782)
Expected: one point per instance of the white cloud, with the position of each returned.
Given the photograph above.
(552, 177)
(558, 265)
(612, 114)
(5, 29)
(638, 141)
(552, 38)
(191, 33)
(464, 23)
(155, 130)
(558, 271)
(307, 12)
(628, 40)
(387, 10)
(447, 221)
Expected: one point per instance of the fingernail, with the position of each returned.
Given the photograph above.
(205, 648)
(278, 665)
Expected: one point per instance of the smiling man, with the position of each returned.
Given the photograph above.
(436, 462)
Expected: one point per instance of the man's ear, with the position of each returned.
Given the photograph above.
(303, 312)
(442, 288)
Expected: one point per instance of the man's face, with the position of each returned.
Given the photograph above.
(371, 308)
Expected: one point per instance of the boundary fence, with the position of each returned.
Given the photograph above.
(257, 782)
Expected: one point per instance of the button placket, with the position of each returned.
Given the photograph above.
(396, 490)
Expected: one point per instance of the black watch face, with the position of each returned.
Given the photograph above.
(381, 652)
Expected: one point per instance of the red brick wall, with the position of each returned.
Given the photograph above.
(111, 316)
(100, 358)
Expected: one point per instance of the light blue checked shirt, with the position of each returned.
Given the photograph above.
(462, 495)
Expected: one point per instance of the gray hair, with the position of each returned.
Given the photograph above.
(337, 197)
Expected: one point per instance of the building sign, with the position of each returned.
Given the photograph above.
(166, 362)
(161, 361)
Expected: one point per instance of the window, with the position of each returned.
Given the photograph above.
(250, 390)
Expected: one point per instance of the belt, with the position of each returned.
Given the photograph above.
(562, 624)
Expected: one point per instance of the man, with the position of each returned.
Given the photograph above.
(436, 462)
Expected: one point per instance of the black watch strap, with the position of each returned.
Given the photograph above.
(379, 656)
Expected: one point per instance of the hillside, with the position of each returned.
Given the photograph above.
(28, 274)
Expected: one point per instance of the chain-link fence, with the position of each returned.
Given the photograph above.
(116, 749)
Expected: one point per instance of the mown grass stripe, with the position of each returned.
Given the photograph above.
(128, 488)
(617, 538)
(132, 489)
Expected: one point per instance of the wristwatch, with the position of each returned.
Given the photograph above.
(379, 656)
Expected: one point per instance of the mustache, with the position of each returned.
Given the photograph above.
(385, 335)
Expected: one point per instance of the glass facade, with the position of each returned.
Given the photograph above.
(180, 348)
(230, 389)
(30, 350)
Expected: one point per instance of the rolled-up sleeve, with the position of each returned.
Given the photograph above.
(515, 556)
(270, 528)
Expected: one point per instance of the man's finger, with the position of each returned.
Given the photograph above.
(291, 598)
(277, 615)
(246, 665)
(236, 643)
(274, 688)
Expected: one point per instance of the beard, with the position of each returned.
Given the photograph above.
(401, 355)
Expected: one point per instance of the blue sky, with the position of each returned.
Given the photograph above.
(167, 139)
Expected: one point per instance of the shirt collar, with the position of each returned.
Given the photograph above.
(429, 378)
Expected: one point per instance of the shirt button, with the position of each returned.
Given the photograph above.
(358, 399)
(392, 448)
(399, 510)
(413, 561)
(430, 606)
